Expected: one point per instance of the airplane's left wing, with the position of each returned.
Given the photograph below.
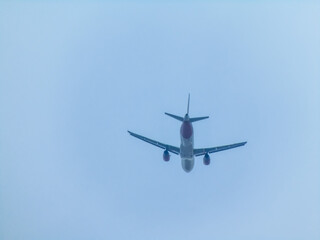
(170, 148)
(203, 151)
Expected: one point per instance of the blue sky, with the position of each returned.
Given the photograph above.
(75, 76)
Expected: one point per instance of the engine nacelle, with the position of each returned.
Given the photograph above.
(206, 159)
(166, 156)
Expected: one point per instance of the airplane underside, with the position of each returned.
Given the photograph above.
(187, 151)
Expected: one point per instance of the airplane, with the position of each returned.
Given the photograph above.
(186, 151)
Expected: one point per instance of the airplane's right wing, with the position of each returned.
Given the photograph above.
(203, 151)
(170, 148)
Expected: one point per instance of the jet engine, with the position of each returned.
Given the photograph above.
(206, 159)
(166, 156)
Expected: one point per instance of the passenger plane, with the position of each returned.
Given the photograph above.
(187, 151)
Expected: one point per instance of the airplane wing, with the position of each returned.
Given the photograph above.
(203, 151)
(170, 148)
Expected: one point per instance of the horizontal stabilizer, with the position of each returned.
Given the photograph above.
(198, 119)
(174, 116)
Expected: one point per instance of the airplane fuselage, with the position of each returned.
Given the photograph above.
(186, 146)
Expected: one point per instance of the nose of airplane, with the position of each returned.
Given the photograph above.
(187, 165)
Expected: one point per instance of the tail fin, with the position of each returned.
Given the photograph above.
(178, 117)
(188, 104)
(187, 115)
(196, 118)
(174, 116)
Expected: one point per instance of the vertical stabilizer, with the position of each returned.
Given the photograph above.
(188, 104)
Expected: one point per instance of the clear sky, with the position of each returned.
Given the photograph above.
(74, 77)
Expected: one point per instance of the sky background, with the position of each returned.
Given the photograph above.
(75, 76)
